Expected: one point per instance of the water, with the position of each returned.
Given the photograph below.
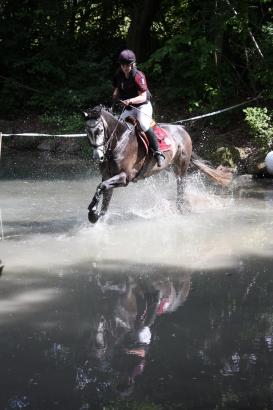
(147, 309)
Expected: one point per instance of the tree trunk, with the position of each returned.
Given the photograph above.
(218, 27)
(142, 14)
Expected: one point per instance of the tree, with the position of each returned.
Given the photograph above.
(212, 51)
(142, 14)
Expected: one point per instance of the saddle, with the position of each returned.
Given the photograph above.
(163, 138)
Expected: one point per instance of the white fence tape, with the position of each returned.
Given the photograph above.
(32, 134)
(27, 134)
(218, 111)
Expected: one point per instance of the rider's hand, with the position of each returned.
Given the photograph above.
(126, 102)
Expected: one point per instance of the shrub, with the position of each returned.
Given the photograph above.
(68, 124)
(260, 124)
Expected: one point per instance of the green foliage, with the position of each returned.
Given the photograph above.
(263, 73)
(80, 85)
(59, 56)
(132, 405)
(261, 127)
(184, 69)
(68, 124)
(65, 123)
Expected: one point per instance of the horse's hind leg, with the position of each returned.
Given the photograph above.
(180, 200)
(180, 170)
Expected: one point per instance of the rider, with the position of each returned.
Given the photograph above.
(131, 87)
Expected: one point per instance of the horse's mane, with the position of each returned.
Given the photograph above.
(107, 113)
(95, 112)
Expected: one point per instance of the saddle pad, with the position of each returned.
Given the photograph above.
(163, 138)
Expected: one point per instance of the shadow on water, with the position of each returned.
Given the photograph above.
(44, 165)
(113, 335)
(23, 228)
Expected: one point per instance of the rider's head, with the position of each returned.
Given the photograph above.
(127, 57)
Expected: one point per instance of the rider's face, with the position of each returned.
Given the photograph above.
(127, 68)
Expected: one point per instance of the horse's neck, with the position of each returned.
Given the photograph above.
(113, 123)
(115, 128)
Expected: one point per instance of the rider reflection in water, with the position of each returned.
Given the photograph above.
(131, 87)
(131, 360)
(131, 355)
(148, 301)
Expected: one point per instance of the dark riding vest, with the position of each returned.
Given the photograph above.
(128, 87)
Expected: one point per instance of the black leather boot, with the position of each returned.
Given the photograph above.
(159, 156)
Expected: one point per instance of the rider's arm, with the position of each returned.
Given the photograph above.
(115, 94)
(141, 98)
(141, 84)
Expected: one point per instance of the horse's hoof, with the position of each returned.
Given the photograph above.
(93, 216)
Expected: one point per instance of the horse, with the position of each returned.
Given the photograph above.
(124, 159)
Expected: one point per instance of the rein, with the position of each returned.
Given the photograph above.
(105, 127)
(108, 138)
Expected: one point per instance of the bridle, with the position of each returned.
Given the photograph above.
(106, 138)
(105, 127)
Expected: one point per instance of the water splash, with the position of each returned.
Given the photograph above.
(142, 224)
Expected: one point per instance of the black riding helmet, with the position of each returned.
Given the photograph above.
(127, 57)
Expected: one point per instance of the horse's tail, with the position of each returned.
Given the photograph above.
(221, 175)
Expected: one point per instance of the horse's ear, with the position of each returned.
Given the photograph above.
(85, 115)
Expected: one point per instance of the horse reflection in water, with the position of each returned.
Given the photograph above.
(123, 159)
(122, 334)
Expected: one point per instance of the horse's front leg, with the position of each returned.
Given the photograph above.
(107, 195)
(105, 189)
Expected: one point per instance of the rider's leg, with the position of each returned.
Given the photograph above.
(126, 113)
(155, 147)
(144, 116)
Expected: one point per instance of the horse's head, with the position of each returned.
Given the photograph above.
(95, 129)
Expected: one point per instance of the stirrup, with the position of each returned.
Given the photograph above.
(160, 157)
(159, 154)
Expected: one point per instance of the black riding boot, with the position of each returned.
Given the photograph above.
(159, 156)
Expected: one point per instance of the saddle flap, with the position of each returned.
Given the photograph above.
(141, 136)
(163, 137)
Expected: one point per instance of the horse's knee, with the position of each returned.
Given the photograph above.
(102, 186)
(116, 181)
(123, 179)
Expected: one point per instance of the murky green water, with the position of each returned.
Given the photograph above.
(147, 309)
